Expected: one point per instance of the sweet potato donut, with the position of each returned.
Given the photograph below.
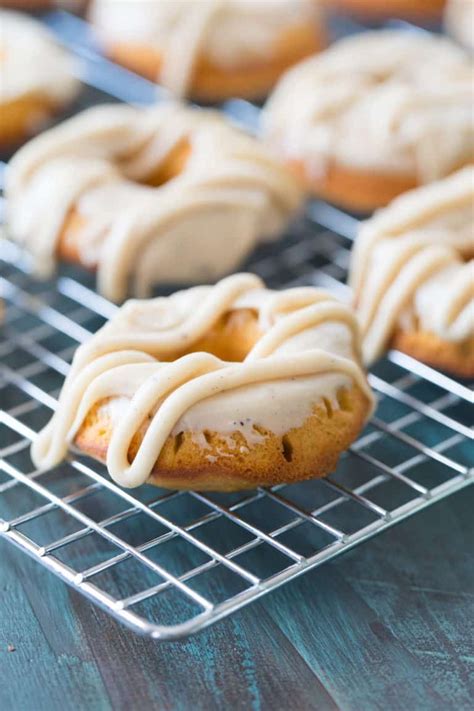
(375, 115)
(459, 22)
(224, 388)
(36, 79)
(167, 194)
(210, 50)
(415, 10)
(37, 5)
(413, 276)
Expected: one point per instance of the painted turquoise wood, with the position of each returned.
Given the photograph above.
(388, 626)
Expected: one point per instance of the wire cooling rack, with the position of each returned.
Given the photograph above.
(169, 563)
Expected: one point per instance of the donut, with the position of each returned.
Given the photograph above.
(412, 272)
(375, 115)
(39, 5)
(162, 195)
(370, 10)
(210, 50)
(459, 21)
(36, 78)
(221, 387)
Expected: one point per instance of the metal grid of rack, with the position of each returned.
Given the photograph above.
(169, 563)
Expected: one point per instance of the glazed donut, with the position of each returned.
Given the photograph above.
(36, 78)
(379, 10)
(375, 115)
(226, 387)
(412, 272)
(212, 49)
(459, 21)
(37, 5)
(195, 196)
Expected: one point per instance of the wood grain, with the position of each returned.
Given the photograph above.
(388, 626)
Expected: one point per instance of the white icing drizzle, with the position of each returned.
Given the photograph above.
(410, 265)
(308, 350)
(384, 101)
(227, 32)
(32, 63)
(459, 21)
(196, 227)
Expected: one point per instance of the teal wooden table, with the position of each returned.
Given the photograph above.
(390, 626)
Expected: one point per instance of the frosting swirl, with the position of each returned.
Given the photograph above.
(384, 101)
(412, 265)
(307, 350)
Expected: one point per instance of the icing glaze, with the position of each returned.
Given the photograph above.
(226, 32)
(459, 21)
(307, 350)
(384, 101)
(412, 265)
(32, 63)
(195, 227)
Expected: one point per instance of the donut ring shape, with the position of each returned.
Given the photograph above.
(168, 194)
(225, 387)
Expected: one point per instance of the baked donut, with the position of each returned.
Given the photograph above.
(224, 388)
(36, 78)
(210, 50)
(379, 10)
(168, 194)
(37, 5)
(459, 21)
(375, 115)
(412, 273)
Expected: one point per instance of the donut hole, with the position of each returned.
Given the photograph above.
(230, 339)
(172, 166)
(69, 246)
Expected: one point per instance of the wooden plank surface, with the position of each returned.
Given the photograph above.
(388, 626)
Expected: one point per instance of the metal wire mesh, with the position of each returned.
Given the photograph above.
(169, 563)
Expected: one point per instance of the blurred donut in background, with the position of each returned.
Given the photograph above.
(459, 21)
(375, 115)
(412, 276)
(167, 194)
(377, 10)
(36, 78)
(210, 50)
(38, 5)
